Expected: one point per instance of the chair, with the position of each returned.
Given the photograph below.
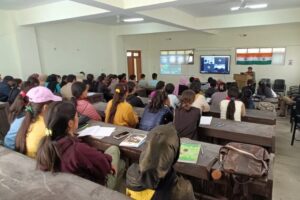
(296, 120)
(279, 86)
(294, 91)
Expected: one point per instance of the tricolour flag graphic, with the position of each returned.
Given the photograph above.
(254, 58)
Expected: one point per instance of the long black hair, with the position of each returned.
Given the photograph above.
(77, 89)
(52, 82)
(57, 124)
(233, 94)
(119, 97)
(158, 101)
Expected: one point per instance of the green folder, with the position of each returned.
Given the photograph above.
(189, 153)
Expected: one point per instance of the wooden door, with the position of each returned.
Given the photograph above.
(134, 63)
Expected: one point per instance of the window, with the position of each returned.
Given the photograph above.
(260, 56)
(172, 60)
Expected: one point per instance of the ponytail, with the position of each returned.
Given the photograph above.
(119, 97)
(230, 110)
(48, 156)
(57, 118)
(233, 94)
(32, 111)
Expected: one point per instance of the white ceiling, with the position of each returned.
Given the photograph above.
(204, 15)
(22, 4)
(222, 7)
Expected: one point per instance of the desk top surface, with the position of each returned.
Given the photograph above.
(25, 182)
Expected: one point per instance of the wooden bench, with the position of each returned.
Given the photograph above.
(20, 180)
(4, 125)
(252, 115)
(228, 130)
(200, 171)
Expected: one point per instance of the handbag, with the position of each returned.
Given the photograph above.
(244, 159)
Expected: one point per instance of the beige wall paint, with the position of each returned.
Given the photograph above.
(9, 58)
(71, 47)
(224, 42)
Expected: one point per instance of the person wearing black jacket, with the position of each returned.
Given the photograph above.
(5, 88)
(132, 98)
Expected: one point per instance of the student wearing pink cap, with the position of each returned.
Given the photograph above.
(33, 128)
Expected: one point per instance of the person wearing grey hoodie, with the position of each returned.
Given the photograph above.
(154, 177)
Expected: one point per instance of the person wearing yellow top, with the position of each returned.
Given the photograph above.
(32, 129)
(118, 111)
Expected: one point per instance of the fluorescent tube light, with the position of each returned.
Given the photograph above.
(257, 6)
(234, 8)
(133, 20)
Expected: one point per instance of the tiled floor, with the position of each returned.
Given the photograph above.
(287, 163)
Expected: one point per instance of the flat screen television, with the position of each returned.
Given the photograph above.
(215, 64)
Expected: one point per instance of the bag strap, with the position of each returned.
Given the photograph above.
(247, 154)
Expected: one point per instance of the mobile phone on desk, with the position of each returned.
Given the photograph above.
(121, 135)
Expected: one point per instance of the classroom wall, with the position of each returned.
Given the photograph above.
(223, 43)
(72, 46)
(9, 58)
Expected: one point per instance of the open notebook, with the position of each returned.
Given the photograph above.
(97, 131)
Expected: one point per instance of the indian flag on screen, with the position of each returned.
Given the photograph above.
(254, 58)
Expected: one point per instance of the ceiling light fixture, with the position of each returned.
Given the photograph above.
(254, 6)
(257, 6)
(133, 20)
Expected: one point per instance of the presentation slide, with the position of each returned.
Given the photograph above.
(170, 69)
(215, 64)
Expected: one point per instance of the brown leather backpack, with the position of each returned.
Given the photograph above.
(244, 159)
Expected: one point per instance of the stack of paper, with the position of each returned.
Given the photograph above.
(91, 94)
(204, 120)
(97, 131)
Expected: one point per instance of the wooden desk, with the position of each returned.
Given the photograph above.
(244, 132)
(20, 180)
(252, 115)
(200, 171)
(4, 125)
(95, 97)
(101, 106)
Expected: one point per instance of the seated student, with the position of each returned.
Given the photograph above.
(157, 112)
(250, 86)
(132, 98)
(66, 90)
(218, 96)
(90, 82)
(174, 101)
(142, 82)
(182, 85)
(191, 79)
(5, 87)
(232, 108)
(61, 151)
(200, 101)
(118, 111)
(53, 84)
(284, 101)
(212, 89)
(17, 113)
(265, 91)
(159, 87)
(63, 81)
(102, 87)
(247, 98)
(33, 126)
(132, 78)
(152, 83)
(113, 81)
(187, 117)
(83, 106)
(154, 176)
(122, 78)
(14, 91)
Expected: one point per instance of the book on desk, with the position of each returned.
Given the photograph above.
(134, 140)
